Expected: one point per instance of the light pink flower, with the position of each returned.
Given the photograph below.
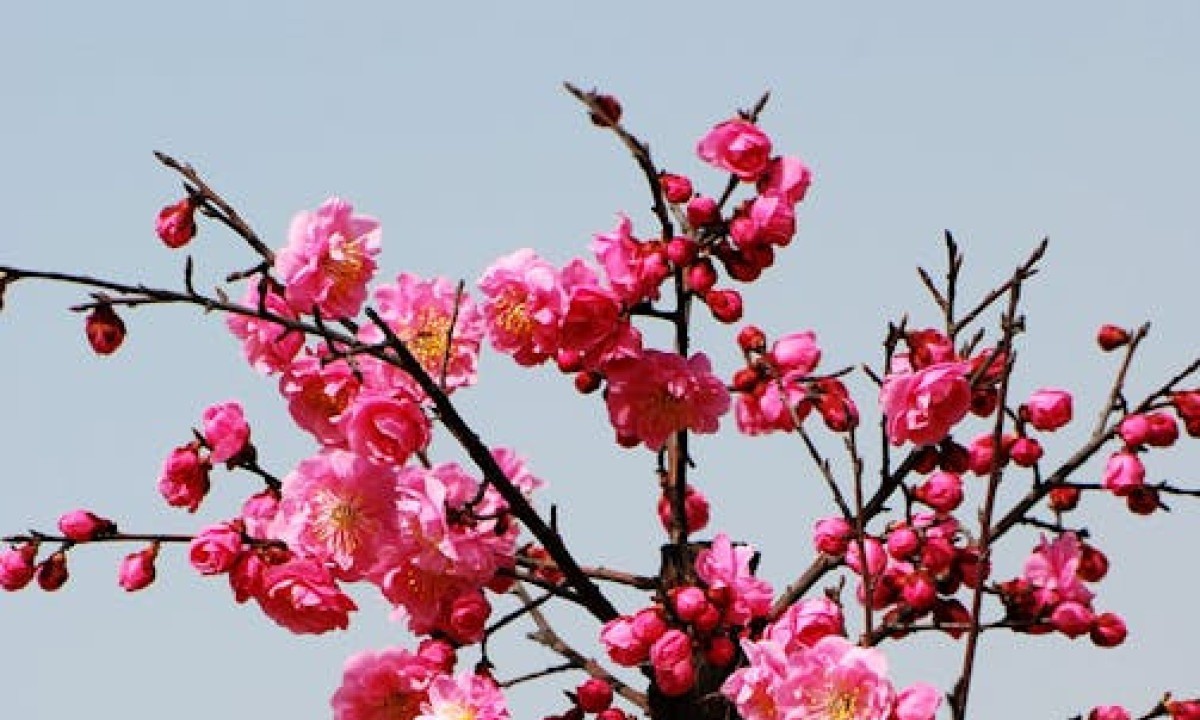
(215, 549)
(922, 407)
(1053, 570)
(836, 680)
(329, 259)
(918, 701)
(338, 508)
(184, 480)
(302, 596)
(727, 564)
(738, 147)
(1048, 409)
(1123, 473)
(464, 697)
(635, 269)
(225, 431)
(659, 393)
(523, 306)
(422, 313)
(671, 657)
(385, 430)
(387, 684)
(269, 348)
(805, 622)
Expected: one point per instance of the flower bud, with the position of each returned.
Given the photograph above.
(1108, 630)
(612, 713)
(594, 695)
(682, 251)
(104, 329)
(720, 651)
(1048, 409)
(902, 542)
(17, 566)
(1064, 498)
(1164, 431)
(751, 338)
(676, 188)
(689, 601)
(1142, 500)
(695, 510)
(588, 381)
(941, 491)
(176, 224)
(1111, 337)
(1072, 618)
(1183, 709)
(137, 569)
(84, 526)
(1025, 452)
(918, 592)
(608, 109)
(1108, 712)
(832, 535)
(700, 276)
(468, 618)
(1093, 564)
(725, 305)
(1123, 473)
(52, 572)
(702, 210)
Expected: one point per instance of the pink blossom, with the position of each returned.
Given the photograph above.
(671, 657)
(595, 329)
(1053, 569)
(317, 394)
(773, 405)
(268, 347)
(258, 513)
(17, 566)
(184, 480)
(329, 259)
(696, 510)
(832, 535)
(1123, 473)
(1108, 712)
(137, 569)
(1072, 618)
(385, 430)
(302, 596)
(923, 406)
(622, 644)
(225, 431)
(215, 549)
(876, 557)
(176, 224)
(660, 393)
(918, 701)
(523, 306)
(796, 352)
(468, 617)
(805, 622)
(942, 491)
(635, 270)
(738, 147)
(765, 220)
(338, 508)
(383, 685)
(442, 328)
(464, 697)
(787, 177)
(729, 564)
(1048, 409)
(84, 525)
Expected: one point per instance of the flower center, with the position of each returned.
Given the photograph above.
(428, 340)
(512, 315)
(342, 522)
(399, 706)
(842, 706)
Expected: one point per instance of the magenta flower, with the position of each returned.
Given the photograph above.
(184, 480)
(329, 258)
(384, 685)
(269, 348)
(1053, 570)
(594, 329)
(635, 269)
(317, 394)
(659, 393)
(302, 596)
(464, 697)
(225, 431)
(523, 306)
(923, 406)
(738, 147)
(1048, 409)
(215, 549)
(728, 565)
(136, 571)
(385, 430)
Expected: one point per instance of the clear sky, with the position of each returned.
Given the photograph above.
(1004, 122)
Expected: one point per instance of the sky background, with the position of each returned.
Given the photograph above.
(1005, 123)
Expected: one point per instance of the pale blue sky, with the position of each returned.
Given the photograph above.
(1005, 123)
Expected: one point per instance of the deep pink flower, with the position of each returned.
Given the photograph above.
(184, 480)
(215, 549)
(17, 566)
(338, 508)
(385, 430)
(787, 177)
(1053, 570)
(622, 644)
(918, 701)
(329, 259)
(738, 147)
(635, 270)
(420, 312)
(831, 535)
(302, 596)
(137, 569)
(728, 564)
(765, 220)
(1123, 473)
(464, 697)
(225, 431)
(922, 407)
(805, 622)
(84, 525)
(1048, 409)
(659, 393)
(671, 657)
(594, 330)
(268, 347)
(523, 306)
(388, 684)
(317, 393)
(1108, 712)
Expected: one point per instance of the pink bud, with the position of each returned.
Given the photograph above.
(594, 695)
(1048, 409)
(702, 210)
(1093, 564)
(648, 625)
(17, 566)
(468, 618)
(720, 651)
(137, 569)
(918, 591)
(751, 338)
(682, 251)
(104, 329)
(176, 224)
(621, 643)
(876, 559)
(941, 491)
(612, 713)
(225, 431)
(902, 542)
(671, 656)
(832, 535)
(1108, 630)
(937, 554)
(1124, 472)
(438, 653)
(708, 619)
(1072, 618)
(690, 601)
(1025, 452)
(52, 572)
(695, 509)
(1164, 431)
(84, 526)
(1134, 430)
(1108, 712)
(701, 276)
(1064, 498)
(215, 549)
(184, 480)
(676, 188)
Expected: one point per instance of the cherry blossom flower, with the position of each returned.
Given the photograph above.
(464, 697)
(329, 258)
(389, 684)
(659, 393)
(268, 347)
(738, 147)
(729, 565)
(302, 596)
(523, 306)
(225, 431)
(923, 406)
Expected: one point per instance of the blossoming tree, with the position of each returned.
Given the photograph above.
(372, 374)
